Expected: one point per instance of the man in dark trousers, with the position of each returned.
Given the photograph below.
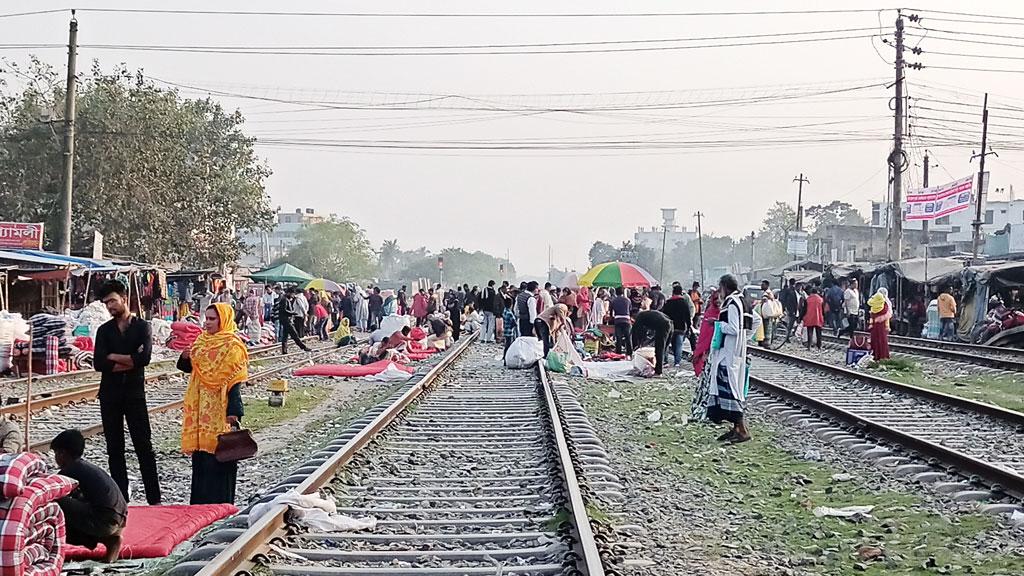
(679, 309)
(290, 314)
(620, 316)
(124, 345)
(652, 323)
(790, 304)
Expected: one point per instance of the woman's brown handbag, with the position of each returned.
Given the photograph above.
(235, 445)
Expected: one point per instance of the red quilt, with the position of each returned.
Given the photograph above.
(348, 370)
(153, 531)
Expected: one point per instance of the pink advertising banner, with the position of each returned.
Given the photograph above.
(938, 201)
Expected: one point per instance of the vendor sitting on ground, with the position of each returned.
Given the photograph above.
(440, 333)
(652, 323)
(399, 340)
(472, 321)
(374, 352)
(95, 512)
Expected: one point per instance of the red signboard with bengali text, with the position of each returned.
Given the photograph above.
(18, 235)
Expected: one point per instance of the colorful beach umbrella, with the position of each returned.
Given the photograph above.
(323, 284)
(611, 274)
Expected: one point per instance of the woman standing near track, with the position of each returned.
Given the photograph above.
(881, 312)
(219, 363)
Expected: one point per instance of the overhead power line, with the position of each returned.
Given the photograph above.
(480, 14)
(454, 50)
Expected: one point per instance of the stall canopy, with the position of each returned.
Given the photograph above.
(281, 273)
(922, 271)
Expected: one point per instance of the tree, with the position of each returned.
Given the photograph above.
(163, 178)
(835, 212)
(337, 250)
(602, 252)
(771, 242)
(460, 267)
(389, 256)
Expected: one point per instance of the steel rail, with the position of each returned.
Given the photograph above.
(255, 539)
(591, 557)
(1006, 414)
(97, 429)
(1001, 479)
(977, 358)
(74, 373)
(959, 346)
(81, 392)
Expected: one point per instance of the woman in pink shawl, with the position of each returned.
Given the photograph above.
(419, 306)
(583, 301)
(707, 331)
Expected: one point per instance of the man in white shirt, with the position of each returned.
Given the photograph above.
(303, 305)
(269, 297)
(545, 296)
(851, 305)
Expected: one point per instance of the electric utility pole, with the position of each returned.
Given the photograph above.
(800, 200)
(980, 198)
(896, 159)
(700, 248)
(751, 257)
(664, 236)
(64, 244)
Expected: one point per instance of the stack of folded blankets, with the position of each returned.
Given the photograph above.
(31, 521)
(183, 334)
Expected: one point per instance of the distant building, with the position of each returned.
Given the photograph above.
(849, 243)
(997, 214)
(266, 247)
(669, 232)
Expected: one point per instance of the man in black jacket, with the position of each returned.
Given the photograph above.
(123, 348)
(487, 298)
(790, 304)
(679, 309)
(656, 323)
(290, 314)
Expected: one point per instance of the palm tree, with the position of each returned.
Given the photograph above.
(389, 254)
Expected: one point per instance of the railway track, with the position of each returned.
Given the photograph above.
(470, 470)
(80, 409)
(904, 424)
(1008, 359)
(47, 383)
(79, 392)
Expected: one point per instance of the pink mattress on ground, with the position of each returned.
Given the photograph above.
(153, 531)
(349, 370)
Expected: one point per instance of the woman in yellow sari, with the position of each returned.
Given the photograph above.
(219, 362)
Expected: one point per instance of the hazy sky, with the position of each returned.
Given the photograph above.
(525, 200)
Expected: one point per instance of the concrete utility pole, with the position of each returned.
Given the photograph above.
(800, 200)
(751, 256)
(896, 160)
(64, 244)
(979, 200)
(700, 248)
(664, 235)
(924, 184)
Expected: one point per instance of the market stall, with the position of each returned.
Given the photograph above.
(993, 297)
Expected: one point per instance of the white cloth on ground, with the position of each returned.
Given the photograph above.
(314, 512)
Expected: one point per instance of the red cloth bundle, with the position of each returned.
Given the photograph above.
(417, 333)
(84, 343)
(183, 334)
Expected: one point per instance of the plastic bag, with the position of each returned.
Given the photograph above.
(716, 339)
(557, 361)
(524, 352)
(644, 362)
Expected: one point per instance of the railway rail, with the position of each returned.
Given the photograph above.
(1008, 359)
(470, 470)
(80, 391)
(899, 421)
(91, 375)
(79, 408)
